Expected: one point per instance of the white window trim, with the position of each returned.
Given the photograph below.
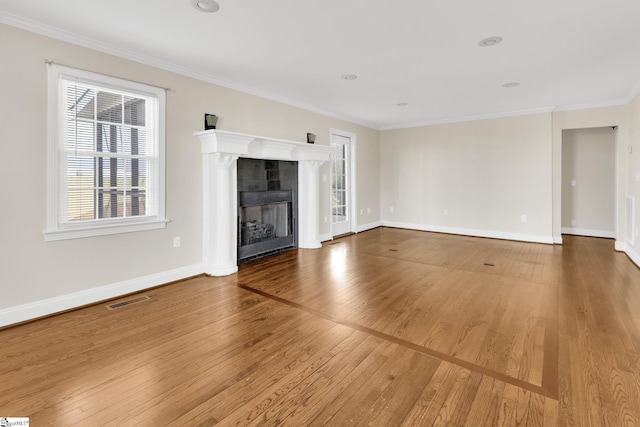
(56, 229)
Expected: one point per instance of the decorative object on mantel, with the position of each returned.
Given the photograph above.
(311, 138)
(210, 121)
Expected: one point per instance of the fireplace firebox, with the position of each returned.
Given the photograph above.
(265, 223)
(266, 207)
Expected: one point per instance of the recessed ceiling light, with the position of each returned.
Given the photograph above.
(511, 84)
(490, 41)
(208, 6)
(348, 77)
(402, 104)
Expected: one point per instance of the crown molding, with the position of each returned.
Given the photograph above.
(635, 90)
(471, 118)
(611, 103)
(603, 104)
(90, 43)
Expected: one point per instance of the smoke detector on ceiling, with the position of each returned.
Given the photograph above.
(490, 41)
(208, 6)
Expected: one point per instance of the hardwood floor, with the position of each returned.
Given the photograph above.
(387, 327)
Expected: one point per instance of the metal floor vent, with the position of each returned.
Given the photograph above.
(121, 304)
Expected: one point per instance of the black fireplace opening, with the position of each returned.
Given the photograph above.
(267, 206)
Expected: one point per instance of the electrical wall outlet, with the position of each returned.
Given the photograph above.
(573, 182)
(391, 209)
(573, 222)
(176, 242)
(446, 212)
(523, 218)
(368, 210)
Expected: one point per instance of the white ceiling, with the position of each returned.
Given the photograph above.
(422, 52)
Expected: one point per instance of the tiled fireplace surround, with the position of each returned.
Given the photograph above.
(220, 152)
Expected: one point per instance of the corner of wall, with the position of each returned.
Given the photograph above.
(369, 226)
(633, 255)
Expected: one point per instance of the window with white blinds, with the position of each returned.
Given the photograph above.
(106, 155)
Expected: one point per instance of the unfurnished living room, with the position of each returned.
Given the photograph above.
(334, 213)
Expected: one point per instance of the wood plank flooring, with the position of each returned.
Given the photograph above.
(388, 327)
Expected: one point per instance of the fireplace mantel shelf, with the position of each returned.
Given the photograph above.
(220, 153)
(259, 147)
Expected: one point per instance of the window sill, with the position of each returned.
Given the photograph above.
(103, 229)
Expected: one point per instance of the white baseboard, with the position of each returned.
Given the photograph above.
(358, 229)
(557, 240)
(588, 232)
(370, 226)
(325, 237)
(533, 238)
(635, 257)
(628, 249)
(21, 313)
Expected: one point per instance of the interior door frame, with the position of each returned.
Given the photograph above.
(561, 119)
(618, 236)
(351, 180)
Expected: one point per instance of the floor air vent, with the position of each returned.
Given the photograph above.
(121, 304)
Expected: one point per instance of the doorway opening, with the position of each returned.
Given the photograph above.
(589, 182)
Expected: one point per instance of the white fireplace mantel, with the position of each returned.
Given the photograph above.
(220, 152)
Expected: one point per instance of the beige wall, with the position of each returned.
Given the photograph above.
(634, 172)
(34, 270)
(588, 182)
(485, 173)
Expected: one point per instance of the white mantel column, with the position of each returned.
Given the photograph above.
(220, 206)
(308, 204)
